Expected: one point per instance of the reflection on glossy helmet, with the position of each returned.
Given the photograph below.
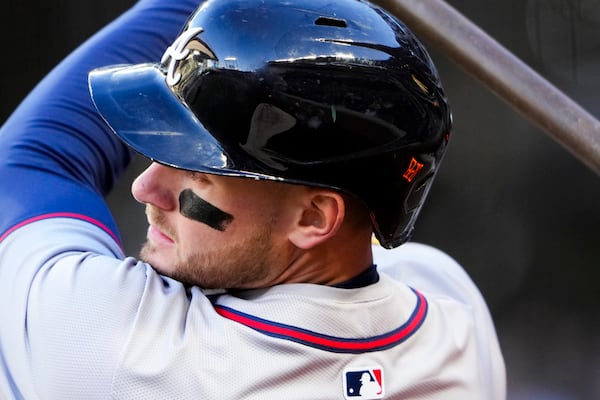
(337, 94)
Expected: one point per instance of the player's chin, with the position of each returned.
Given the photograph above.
(159, 258)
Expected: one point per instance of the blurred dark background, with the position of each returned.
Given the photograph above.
(512, 206)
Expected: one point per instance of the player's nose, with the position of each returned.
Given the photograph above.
(154, 186)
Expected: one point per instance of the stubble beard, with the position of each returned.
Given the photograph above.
(240, 265)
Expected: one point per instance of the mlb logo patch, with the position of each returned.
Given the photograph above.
(363, 383)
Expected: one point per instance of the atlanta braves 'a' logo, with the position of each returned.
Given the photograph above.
(177, 52)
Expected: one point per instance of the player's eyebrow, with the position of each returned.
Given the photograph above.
(198, 176)
(194, 207)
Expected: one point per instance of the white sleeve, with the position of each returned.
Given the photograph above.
(68, 302)
(436, 274)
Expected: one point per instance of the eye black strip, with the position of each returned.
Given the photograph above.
(194, 207)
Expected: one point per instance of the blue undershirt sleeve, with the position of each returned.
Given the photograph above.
(57, 157)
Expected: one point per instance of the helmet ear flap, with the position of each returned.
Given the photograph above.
(402, 192)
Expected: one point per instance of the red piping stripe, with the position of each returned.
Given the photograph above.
(62, 215)
(329, 342)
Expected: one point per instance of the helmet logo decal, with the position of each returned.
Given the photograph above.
(413, 169)
(177, 52)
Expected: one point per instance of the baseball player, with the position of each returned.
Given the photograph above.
(283, 136)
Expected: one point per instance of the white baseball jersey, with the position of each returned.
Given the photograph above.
(84, 322)
(78, 320)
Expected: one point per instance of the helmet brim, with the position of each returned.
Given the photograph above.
(141, 109)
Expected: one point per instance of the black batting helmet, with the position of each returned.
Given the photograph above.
(338, 94)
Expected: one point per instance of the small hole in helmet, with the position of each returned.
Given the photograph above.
(328, 21)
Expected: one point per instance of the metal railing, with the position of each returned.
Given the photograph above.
(504, 74)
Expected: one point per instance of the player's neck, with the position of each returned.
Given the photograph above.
(332, 262)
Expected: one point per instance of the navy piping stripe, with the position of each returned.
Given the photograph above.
(332, 343)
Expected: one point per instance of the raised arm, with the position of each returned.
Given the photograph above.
(57, 157)
(66, 310)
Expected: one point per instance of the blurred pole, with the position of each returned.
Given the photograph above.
(504, 74)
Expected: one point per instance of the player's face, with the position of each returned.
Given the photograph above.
(213, 231)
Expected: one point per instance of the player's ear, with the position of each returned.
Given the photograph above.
(319, 218)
